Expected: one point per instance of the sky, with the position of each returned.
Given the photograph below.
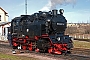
(75, 11)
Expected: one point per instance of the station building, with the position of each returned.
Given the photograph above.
(4, 23)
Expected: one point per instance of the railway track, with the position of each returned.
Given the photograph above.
(59, 57)
(76, 53)
(66, 57)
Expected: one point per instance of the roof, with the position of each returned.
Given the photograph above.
(3, 10)
(4, 23)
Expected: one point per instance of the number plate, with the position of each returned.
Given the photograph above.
(60, 23)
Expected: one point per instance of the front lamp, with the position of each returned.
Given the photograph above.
(48, 20)
(61, 11)
(58, 38)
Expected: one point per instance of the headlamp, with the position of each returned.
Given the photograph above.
(58, 38)
(23, 35)
(27, 30)
(48, 20)
(61, 11)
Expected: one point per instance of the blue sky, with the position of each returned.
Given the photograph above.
(77, 11)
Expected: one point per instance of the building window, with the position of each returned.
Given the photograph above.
(0, 17)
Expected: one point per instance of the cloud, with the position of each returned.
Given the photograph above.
(52, 4)
(46, 7)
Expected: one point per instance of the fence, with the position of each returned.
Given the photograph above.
(86, 36)
(3, 38)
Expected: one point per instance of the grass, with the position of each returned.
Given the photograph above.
(12, 57)
(81, 44)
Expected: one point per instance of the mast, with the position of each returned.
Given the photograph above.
(26, 7)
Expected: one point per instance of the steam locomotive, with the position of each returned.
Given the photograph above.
(41, 32)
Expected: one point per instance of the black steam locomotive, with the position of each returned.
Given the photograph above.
(41, 32)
